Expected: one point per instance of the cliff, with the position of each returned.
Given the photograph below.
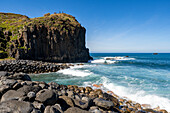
(56, 37)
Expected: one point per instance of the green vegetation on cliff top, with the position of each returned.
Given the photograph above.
(15, 22)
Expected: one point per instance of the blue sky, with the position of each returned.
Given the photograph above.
(112, 25)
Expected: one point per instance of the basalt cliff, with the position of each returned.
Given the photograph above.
(53, 37)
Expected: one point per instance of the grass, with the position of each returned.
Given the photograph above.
(13, 23)
(9, 58)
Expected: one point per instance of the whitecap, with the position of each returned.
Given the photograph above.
(74, 72)
(136, 95)
(102, 61)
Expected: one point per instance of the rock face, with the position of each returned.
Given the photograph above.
(56, 37)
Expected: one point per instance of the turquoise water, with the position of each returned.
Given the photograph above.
(141, 77)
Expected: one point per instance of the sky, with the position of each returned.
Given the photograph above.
(112, 26)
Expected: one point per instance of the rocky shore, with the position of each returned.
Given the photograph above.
(30, 66)
(18, 94)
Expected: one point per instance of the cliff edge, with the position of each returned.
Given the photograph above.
(53, 37)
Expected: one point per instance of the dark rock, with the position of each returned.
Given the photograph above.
(8, 82)
(14, 106)
(43, 86)
(75, 110)
(3, 89)
(103, 103)
(77, 97)
(53, 109)
(65, 102)
(96, 111)
(39, 106)
(82, 104)
(70, 94)
(47, 97)
(54, 85)
(47, 42)
(17, 86)
(149, 110)
(109, 97)
(26, 89)
(31, 95)
(21, 76)
(11, 95)
(3, 73)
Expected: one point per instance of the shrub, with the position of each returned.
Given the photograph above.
(48, 14)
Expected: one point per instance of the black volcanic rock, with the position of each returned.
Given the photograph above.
(56, 38)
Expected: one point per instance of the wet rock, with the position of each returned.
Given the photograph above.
(47, 97)
(149, 110)
(162, 111)
(75, 110)
(14, 106)
(111, 98)
(12, 95)
(89, 89)
(93, 95)
(103, 103)
(98, 91)
(138, 106)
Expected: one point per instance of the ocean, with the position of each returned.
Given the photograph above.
(140, 77)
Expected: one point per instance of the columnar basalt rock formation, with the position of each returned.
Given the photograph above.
(55, 37)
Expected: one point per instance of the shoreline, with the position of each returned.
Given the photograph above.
(97, 96)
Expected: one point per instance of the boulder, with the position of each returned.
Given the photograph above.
(65, 102)
(82, 104)
(70, 94)
(21, 76)
(109, 97)
(39, 106)
(17, 86)
(14, 106)
(8, 82)
(53, 109)
(26, 89)
(47, 97)
(103, 103)
(3, 89)
(31, 95)
(3, 73)
(75, 110)
(54, 85)
(11, 95)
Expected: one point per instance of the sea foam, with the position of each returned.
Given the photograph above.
(139, 96)
(74, 72)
